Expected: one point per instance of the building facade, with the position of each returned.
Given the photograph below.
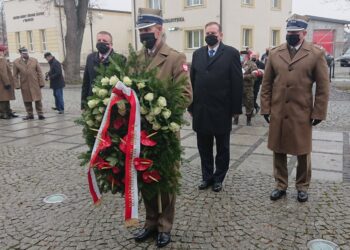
(40, 26)
(256, 24)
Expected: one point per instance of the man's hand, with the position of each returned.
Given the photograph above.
(8, 87)
(315, 122)
(267, 118)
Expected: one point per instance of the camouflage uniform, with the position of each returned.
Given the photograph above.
(248, 86)
(248, 90)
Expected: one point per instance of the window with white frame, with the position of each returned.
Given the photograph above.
(18, 40)
(276, 4)
(247, 37)
(247, 2)
(155, 4)
(194, 39)
(190, 3)
(275, 37)
(30, 41)
(43, 40)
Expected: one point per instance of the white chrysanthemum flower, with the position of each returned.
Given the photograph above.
(143, 110)
(156, 126)
(98, 117)
(166, 113)
(102, 93)
(127, 81)
(156, 110)
(93, 103)
(90, 123)
(105, 81)
(141, 85)
(101, 109)
(173, 126)
(149, 97)
(106, 101)
(161, 101)
(113, 80)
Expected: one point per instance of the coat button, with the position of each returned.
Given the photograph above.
(287, 101)
(286, 117)
(288, 85)
(290, 68)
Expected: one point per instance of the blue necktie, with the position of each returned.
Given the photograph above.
(211, 53)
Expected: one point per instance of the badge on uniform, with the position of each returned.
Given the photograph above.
(185, 67)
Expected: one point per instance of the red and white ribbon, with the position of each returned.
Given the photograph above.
(133, 146)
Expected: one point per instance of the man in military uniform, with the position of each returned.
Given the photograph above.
(170, 64)
(249, 77)
(287, 104)
(7, 90)
(31, 80)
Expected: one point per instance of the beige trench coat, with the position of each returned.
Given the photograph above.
(286, 95)
(6, 79)
(30, 79)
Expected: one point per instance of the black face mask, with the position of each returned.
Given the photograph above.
(103, 48)
(148, 39)
(254, 59)
(211, 40)
(292, 39)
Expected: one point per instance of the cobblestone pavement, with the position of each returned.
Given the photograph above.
(39, 158)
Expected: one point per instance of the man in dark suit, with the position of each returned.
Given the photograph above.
(56, 81)
(217, 82)
(104, 46)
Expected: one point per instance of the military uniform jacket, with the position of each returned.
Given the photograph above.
(30, 78)
(171, 65)
(217, 89)
(286, 95)
(5, 80)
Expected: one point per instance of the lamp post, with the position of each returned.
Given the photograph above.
(90, 23)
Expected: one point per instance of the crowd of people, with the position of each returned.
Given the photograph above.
(27, 76)
(220, 82)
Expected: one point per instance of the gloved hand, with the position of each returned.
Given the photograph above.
(315, 122)
(267, 118)
(8, 87)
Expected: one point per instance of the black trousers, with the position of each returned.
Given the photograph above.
(205, 144)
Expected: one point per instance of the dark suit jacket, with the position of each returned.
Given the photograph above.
(217, 84)
(55, 74)
(92, 63)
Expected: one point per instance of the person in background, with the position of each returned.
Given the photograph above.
(265, 56)
(104, 46)
(57, 83)
(259, 77)
(28, 76)
(7, 88)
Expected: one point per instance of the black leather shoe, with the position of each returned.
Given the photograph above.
(204, 185)
(28, 117)
(302, 196)
(163, 239)
(53, 108)
(13, 115)
(277, 194)
(217, 187)
(41, 117)
(144, 234)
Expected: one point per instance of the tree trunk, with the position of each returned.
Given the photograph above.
(75, 12)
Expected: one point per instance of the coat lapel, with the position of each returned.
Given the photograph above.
(303, 51)
(160, 56)
(284, 53)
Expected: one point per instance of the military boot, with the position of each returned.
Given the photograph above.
(249, 120)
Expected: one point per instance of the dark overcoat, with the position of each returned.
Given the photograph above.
(29, 78)
(55, 74)
(217, 84)
(287, 96)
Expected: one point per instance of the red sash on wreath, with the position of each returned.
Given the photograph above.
(103, 141)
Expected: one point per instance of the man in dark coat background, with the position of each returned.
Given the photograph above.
(104, 46)
(217, 83)
(56, 81)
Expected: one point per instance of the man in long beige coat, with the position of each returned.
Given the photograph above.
(287, 104)
(7, 92)
(170, 64)
(31, 81)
